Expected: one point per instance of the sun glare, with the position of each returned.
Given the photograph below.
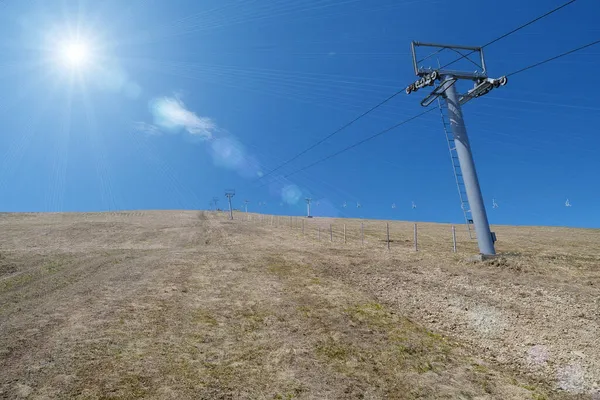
(75, 54)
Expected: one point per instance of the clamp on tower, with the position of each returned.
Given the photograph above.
(482, 86)
(428, 76)
(427, 80)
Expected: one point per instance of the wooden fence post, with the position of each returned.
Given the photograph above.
(453, 239)
(387, 228)
(416, 243)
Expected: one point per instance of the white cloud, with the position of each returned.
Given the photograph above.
(171, 114)
(146, 128)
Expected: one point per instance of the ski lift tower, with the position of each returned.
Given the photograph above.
(445, 81)
(229, 193)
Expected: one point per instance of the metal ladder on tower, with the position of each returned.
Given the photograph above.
(460, 183)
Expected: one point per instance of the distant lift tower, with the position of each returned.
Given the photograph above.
(445, 81)
(229, 193)
(308, 200)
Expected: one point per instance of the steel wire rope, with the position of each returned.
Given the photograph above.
(431, 109)
(398, 92)
(512, 31)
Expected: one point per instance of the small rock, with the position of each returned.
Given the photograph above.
(579, 354)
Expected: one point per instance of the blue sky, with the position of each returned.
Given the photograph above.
(180, 100)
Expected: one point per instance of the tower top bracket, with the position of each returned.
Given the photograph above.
(428, 76)
(445, 54)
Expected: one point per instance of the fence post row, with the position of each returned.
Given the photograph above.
(276, 221)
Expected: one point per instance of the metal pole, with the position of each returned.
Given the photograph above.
(387, 228)
(467, 166)
(362, 233)
(230, 210)
(453, 239)
(415, 239)
(330, 233)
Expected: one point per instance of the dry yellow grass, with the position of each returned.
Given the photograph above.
(174, 305)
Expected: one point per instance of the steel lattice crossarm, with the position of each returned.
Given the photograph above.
(429, 75)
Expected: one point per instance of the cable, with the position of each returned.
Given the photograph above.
(331, 134)
(397, 93)
(358, 143)
(553, 58)
(431, 109)
(511, 32)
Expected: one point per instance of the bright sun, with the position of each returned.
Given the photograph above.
(75, 54)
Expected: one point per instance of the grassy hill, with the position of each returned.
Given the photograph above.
(183, 304)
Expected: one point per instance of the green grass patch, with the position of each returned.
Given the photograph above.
(52, 267)
(531, 388)
(15, 281)
(372, 314)
(201, 316)
(480, 368)
(334, 350)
